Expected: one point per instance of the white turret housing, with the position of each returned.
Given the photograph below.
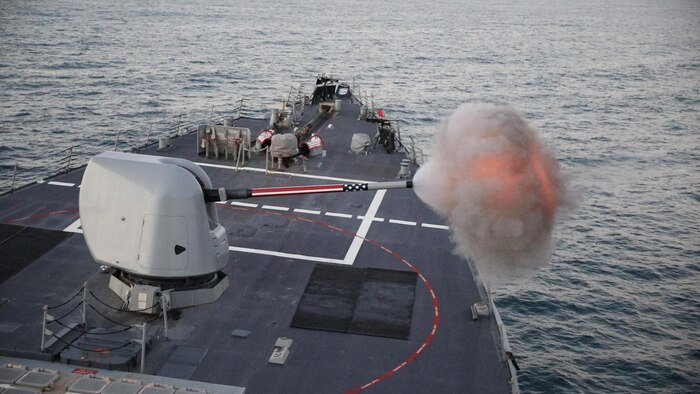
(147, 217)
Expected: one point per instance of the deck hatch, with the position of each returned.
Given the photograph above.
(123, 387)
(38, 378)
(366, 301)
(89, 385)
(9, 373)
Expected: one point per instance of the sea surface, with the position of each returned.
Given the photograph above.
(613, 86)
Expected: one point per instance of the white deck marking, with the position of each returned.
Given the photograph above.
(358, 240)
(244, 204)
(373, 219)
(342, 215)
(286, 255)
(338, 215)
(74, 227)
(315, 212)
(61, 184)
(309, 211)
(275, 208)
(438, 226)
(404, 222)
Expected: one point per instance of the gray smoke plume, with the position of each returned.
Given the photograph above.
(499, 188)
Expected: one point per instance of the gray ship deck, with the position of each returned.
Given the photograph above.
(275, 243)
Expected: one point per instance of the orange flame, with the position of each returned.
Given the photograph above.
(508, 183)
(548, 195)
(499, 169)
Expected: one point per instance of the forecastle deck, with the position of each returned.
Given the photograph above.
(276, 247)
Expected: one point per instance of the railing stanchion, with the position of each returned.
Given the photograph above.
(165, 305)
(142, 342)
(43, 328)
(179, 120)
(85, 304)
(14, 176)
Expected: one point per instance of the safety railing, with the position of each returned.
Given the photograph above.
(504, 345)
(81, 301)
(10, 183)
(26, 172)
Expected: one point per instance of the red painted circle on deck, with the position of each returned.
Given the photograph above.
(426, 283)
(39, 215)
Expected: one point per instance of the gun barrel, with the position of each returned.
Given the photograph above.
(238, 194)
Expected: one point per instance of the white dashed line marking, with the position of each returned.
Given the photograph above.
(374, 219)
(244, 204)
(61, 184)
(438, 226)
(404, 222)
(342, 215)
(309, 211)
(338, 215)
(275, 208)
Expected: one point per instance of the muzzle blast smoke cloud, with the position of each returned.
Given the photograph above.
(498, 186)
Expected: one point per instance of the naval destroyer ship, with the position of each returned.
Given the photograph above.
(280, 254)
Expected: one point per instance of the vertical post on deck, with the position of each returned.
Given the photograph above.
(85, 304)
(14, 176)
(43, 328)
(165, 305)
(142, 342)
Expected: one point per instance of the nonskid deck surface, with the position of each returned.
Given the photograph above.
(275, 245)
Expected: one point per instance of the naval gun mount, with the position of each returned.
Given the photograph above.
(145, 217)
(154, 221)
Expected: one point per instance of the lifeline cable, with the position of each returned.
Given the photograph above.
(71, 299)
(68, 313)
(107, 318)
(120, 309)
(99, 350)
(119, 324)
(90, 332)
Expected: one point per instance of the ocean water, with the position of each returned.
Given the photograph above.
(613, 87)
